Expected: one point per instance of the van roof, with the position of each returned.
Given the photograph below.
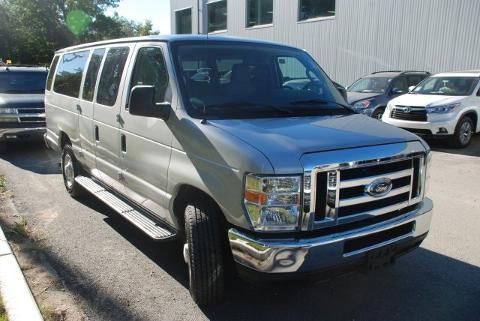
(167, 38)
(10, 68)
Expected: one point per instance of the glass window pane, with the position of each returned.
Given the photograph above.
(92, 73)
(309, 9)
(183, 20)
(260, 12)
(111, 76)
(69, 73)
(150, 70)
(53, 67)
(217, 16)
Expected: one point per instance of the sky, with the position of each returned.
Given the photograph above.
(158, 11)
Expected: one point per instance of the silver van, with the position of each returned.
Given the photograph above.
(243, 150)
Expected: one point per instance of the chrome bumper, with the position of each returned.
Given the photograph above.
(319, 253)
(14, 133)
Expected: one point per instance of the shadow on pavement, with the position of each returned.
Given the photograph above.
(442, 146)
(33, 157)
(423, 285)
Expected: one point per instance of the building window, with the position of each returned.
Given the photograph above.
(310, 9)
(217, 16)
(183, 20)
(259, 12)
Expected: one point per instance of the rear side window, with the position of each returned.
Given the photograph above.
(415, 80)
(112, 75)
(92, 73)
(51, 73)
(69, 73)
(150, 70)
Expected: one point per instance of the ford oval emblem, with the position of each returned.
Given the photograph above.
(379, 187)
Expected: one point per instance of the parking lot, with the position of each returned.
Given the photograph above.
(117, 273)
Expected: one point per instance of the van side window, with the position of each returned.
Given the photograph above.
(478, 94)
(51, 73)
(150, 70)
(112, 75)
(69, 73)
(92, 73)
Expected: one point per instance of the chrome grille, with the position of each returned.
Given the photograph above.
(409, 113)
(25, 115)
(338, 194)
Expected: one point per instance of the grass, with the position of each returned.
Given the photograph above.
(3, 313)
(21, 228)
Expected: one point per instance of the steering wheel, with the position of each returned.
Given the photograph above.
(313, 85)
(197, 103)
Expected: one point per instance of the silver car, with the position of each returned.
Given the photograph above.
(283, 180)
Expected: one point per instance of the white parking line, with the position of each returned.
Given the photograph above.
(16, 294)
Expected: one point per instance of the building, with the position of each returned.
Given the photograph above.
(349, 38)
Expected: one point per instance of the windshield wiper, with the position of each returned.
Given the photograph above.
(249, 105)
(319, 102)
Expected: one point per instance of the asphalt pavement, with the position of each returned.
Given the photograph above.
(117, 273)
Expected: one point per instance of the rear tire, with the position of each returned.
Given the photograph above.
(463, 133)
(203, 252)
(70, 170)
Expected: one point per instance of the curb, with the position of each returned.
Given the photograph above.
(16, 294)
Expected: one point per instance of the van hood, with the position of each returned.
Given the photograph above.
(18, 100)
(284, 140)
(353, 97)
(417, 100)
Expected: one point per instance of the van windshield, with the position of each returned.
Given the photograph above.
(221, 80)
(448, 86)
(16, 82)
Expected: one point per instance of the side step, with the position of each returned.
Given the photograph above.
(153, 228)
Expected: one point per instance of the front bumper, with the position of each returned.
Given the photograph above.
(14, 134)
(436, 126)
(308, 255)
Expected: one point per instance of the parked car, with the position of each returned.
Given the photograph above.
(370, 95)
(22, 111)
(446, 105)
(283, 181)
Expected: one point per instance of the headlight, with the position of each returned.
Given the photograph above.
(362, 104)
(8, 110)
(273, 202)
(443, 109)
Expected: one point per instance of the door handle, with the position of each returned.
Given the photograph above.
(79, 109)
(123, 139)
(97, 135)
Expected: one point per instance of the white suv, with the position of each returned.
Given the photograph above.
(443, 105)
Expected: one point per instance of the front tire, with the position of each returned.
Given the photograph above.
(463, 133)
(203, 253)
(70, 170)
(378, 114)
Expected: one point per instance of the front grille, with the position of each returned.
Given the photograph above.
(31, 114)
(419, 131)
(342, 195)
(409, 113)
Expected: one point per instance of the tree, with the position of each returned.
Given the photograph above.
(31, 30)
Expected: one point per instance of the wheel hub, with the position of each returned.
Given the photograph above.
(465, 133)
(186, 253)
(68, 171)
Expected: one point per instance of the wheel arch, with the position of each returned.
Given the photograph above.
(474, 116)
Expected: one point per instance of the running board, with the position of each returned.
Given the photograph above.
(153, 228)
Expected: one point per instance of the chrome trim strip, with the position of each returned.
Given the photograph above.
(380, 211)
(366, 180)
(376, 246)
(367, 198)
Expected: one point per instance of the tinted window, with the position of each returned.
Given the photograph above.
(401, 84)
(370, 85)
(22, 82)
(260, 12)
(316, 8)
(111, 76)
(229, 80)
(69, 73)
(183, 21)
(478, 94)
(415, 79)
(150, 70)
(51, 73)
(217, 16)
(92, 73)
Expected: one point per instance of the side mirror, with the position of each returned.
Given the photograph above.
(397, 91)
(341, 89)
(142, 103)
(411, 88)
